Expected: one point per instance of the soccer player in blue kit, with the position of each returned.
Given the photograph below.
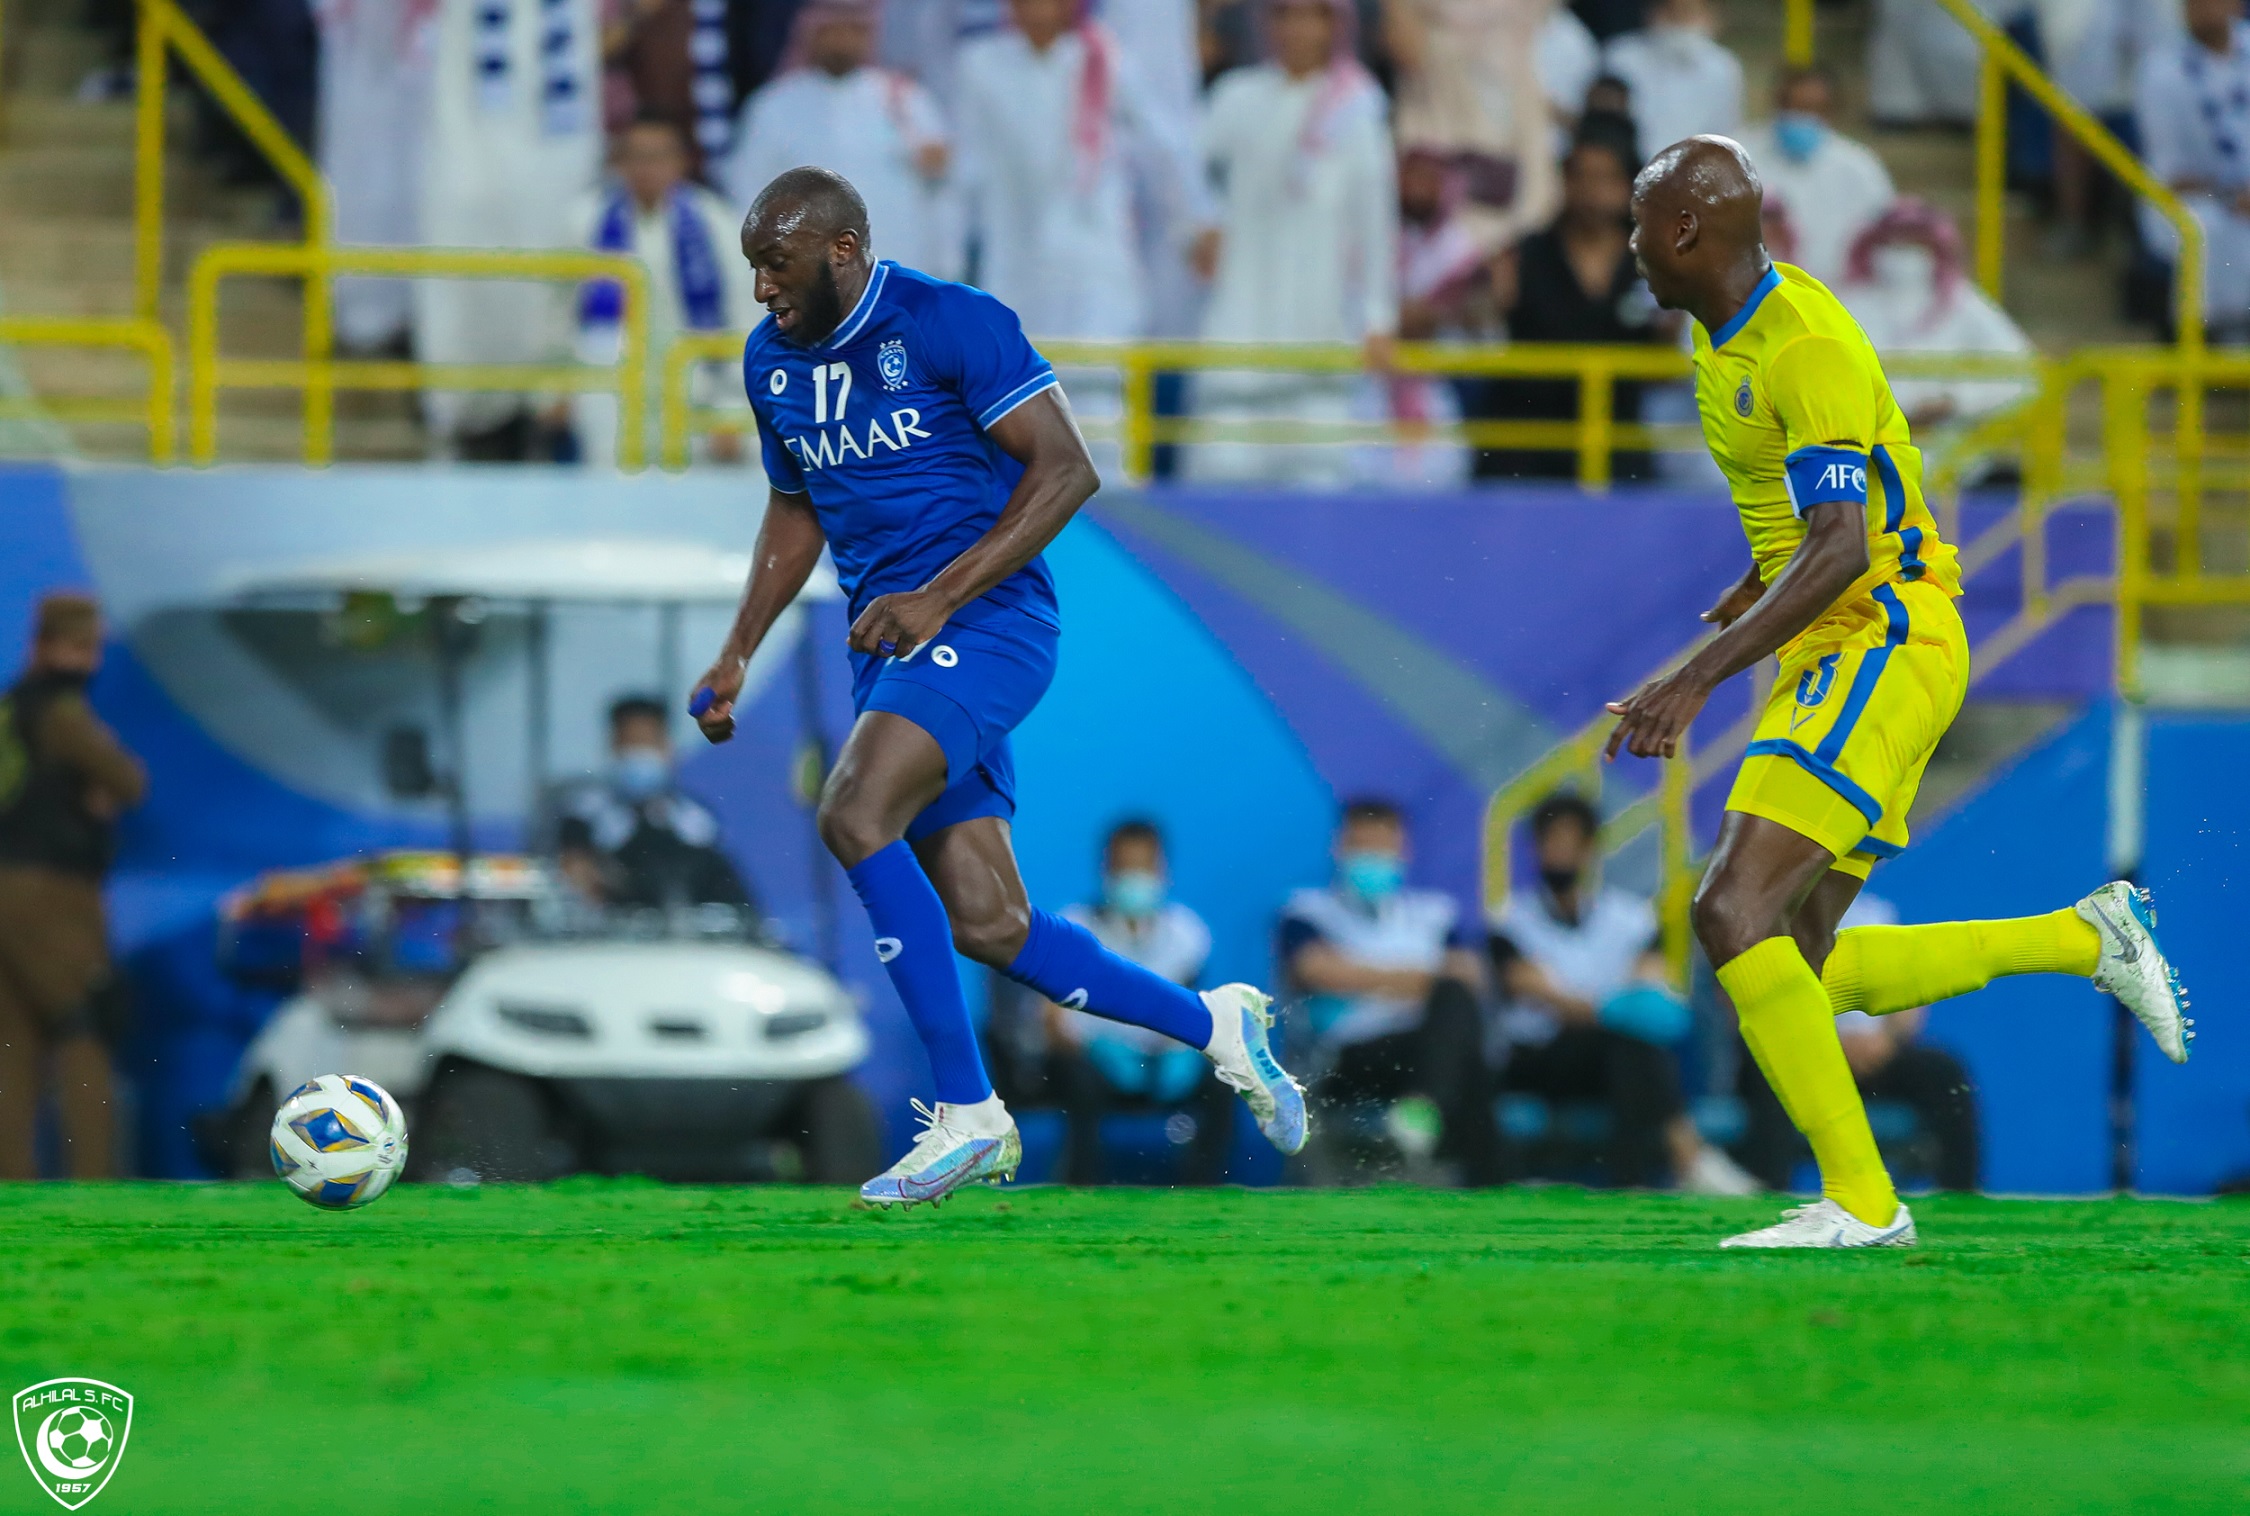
(910, 429)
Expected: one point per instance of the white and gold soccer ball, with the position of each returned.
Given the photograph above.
(339, 1141)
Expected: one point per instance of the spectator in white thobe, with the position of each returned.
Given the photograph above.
(1469, 90)
(1308, 252)
(514, 139)
(1833, 188)
(2098, 62)
(1905, 285)
(831, 107)
(374, 102)
(688, 240)
(2193, 106)
(1568, 59)
(1922, 65)
(1684, 82)
(1058, 136)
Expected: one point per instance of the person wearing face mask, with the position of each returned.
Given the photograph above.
(1095, 1065)
(1387, 985)
(1831, 186)
(1684, 83)
(634, 839)
(1905, 285)
(1589, 1015)
(64, 779)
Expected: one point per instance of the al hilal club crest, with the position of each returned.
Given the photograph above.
(890, 362)
(72, 1433)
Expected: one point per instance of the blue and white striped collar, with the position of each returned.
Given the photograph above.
(864, 311)
(1741, 318)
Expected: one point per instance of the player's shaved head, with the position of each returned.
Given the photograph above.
(815, 200)
(806, 235)
(1696, 225)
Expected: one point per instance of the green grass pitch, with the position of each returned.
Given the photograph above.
(624, 1347)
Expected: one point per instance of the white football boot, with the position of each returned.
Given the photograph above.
(2134, 969)
(960, 1144)
(1825, 1224)
(1245, 1063)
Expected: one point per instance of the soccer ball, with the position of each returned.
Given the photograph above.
(78, 1438)
(339, 1141)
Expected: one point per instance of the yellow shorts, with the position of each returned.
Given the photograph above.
(1857, 708)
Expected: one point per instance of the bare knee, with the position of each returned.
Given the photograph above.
(1727, 924)
(992, 935)
(853, 828)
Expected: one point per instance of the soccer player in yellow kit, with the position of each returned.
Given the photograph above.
(1852, 587)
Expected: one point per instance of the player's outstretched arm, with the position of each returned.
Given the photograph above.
(1832, 556)
(789, 547)
(1058, 478)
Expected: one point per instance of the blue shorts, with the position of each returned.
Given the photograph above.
(968, 687)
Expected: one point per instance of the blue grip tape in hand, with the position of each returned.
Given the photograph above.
(702, 700)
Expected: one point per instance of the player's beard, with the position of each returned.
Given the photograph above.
(823, 305)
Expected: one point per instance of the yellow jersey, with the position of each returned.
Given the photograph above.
(1797, 412)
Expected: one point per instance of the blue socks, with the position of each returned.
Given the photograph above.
(915, 942)
(1067, 964)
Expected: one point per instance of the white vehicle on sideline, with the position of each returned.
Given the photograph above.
(529, 1035)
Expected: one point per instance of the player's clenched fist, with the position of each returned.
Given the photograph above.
(712, 704)
(1652, 719)
(893, 626)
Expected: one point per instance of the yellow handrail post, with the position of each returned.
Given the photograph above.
(632, 378)
(1596, 389)
(674, 436)
(2124, 438)
(203, 360)
(1992, 172)
(1140, 417)
(148, 161)
(1797, 33)
(1678, 848)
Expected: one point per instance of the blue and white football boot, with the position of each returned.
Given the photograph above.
(1245, 1063)
(959, 1145)
(2134, 969)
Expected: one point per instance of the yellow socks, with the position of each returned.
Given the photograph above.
(1791, 1031)
(1880, 969)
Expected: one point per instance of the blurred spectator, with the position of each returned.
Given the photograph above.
(1308, 253)
(275, 47)
(1057, 134)
(831, 107)
(1684, 83)
(1906, 287)
(1832, 187)
(633, 839)
(2099, 64)
(1888, 1065)
(1387, 986)
(1610, 18)
(1230, 34)
(1575, 282)
(1157, 40)
(63, 781)
(672, 60)
(2193, 106)
(1569, 59)
(1589, 1014)
(1469, 91)
(1444, 287)
(688, 240)
(1922, 64)
(1096, 1065)
(374, 108)
(514, 141)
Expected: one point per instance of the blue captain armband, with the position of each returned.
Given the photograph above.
(1820, 474)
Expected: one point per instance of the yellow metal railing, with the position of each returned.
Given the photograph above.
(1594, 437)
(153, 411)
(1797, 32)
(209, 373)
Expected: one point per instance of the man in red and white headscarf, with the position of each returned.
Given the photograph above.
(1062, 144)
(1904, 283)
(830, 106)
(1309, 251)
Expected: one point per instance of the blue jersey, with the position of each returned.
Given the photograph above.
(884, 426)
